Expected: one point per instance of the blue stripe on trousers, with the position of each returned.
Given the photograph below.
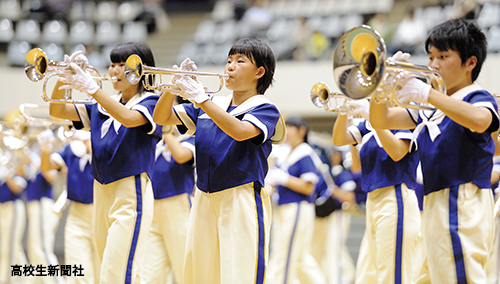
(455, 238)
(261, 234)
(399, 234)
(137, 229)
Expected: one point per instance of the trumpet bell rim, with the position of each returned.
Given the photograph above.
(319, 94)
(133, 69)
(359, 62)
(35, 64)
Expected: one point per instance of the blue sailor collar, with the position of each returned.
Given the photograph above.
(225, 101)
(111, 120)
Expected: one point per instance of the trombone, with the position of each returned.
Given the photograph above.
(135, 69)
(361, 69)
(37, 66)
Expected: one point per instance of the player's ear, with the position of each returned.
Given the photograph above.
(260, 72)
(471, 63)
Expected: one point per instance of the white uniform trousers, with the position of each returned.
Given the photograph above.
(42, 227)
(291, 258)
(228, 236)
(366, 272)
(167, 239)
(79, 245)
(123, 214)
(12, 227)
(328, 246)
(458, 233)
(420, 267)
(493, 266)
(392, 228)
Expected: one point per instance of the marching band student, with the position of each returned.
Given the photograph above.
(228, 231)
(173, 185)
(456, 143)
(74, 160)
(330, 232)
(123, 137)
(388, 178)
(42, 221)
(295, 176)
(365, 271)
(12, 223)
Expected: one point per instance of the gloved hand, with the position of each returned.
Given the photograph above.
(4, 173)
(192, 90)
(360, 108)
(186, 65)
(81, 81)
(400, 56)
(276, 176)
(76, 57)
(497, 208)
(45, 139)
(414, 90)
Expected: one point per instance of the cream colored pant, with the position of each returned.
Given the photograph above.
(328, 246)
(458, 228)
(79, 245)
(392, 228)
(12, 227)
(123, 215)
(167, 239)
(42, 227)
(228, 236)
(291, 258)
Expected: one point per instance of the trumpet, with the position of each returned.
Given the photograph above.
(37, 66)
(135, 69)
(322, 97)
(361, 69)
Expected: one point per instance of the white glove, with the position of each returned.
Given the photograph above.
(4, 173)
(276, 176)
(76, 57)
(414, 90)
(497, 208)
(188, 65)
(192, 90)
(360, 108)
(400, 56)
(81, 81)
(45, 139)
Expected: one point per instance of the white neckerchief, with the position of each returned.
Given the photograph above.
(80, 150)
(432, 118)
(370, 134)
(162, 149)
(111, 120)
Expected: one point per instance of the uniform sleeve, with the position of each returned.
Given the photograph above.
(83, 112)
(403, 134)
(358, 130)
(188, 115)
(189, 143)
(484, 99)
(306, 170)
(265, 117)
(146, 107)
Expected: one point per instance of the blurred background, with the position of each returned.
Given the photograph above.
(302, 33)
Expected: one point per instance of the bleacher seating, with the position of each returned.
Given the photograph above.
(93, 24)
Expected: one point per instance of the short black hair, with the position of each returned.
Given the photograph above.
(463, 36)
(122, 51)
(260, 54)
(297, 121)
